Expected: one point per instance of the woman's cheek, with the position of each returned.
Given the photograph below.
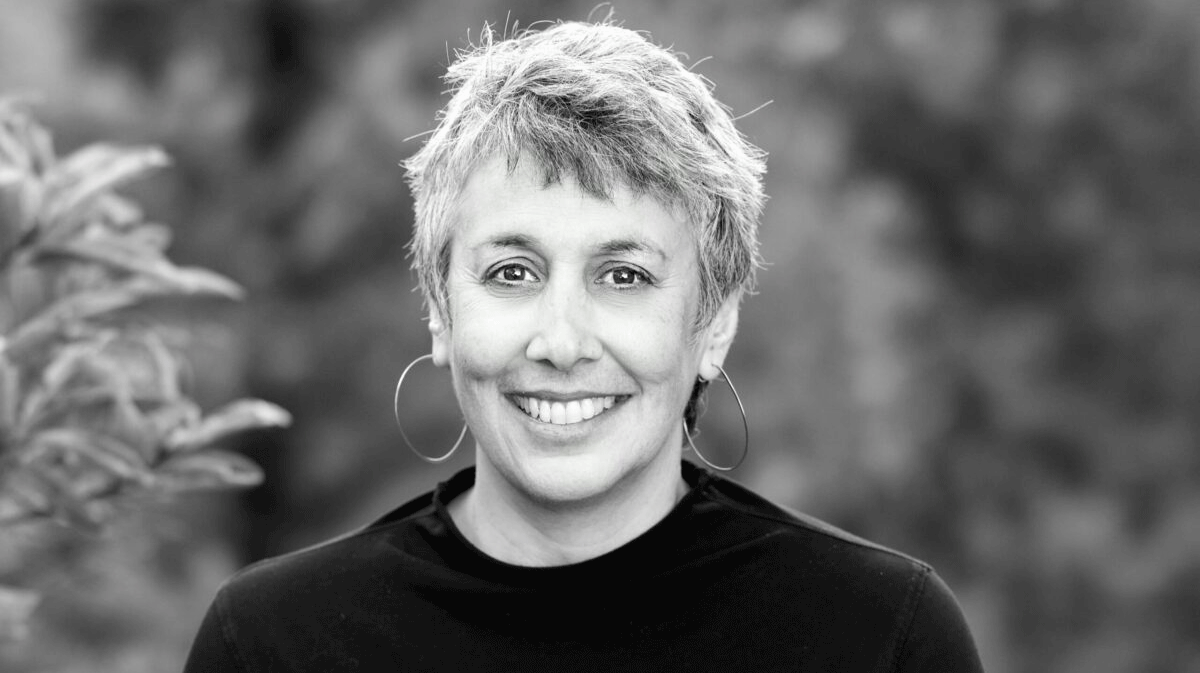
(654, 327)
(486, 337)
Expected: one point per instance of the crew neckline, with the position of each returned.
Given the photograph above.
(654, 550)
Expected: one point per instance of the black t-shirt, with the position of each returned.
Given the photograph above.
(726, 582)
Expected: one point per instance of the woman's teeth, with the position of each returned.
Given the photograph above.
(565, 413)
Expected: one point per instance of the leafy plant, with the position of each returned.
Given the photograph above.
(91, 404)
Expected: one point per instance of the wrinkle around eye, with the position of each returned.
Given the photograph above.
(496, 275)
(641, 278)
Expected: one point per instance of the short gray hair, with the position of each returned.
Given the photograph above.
(607, 107)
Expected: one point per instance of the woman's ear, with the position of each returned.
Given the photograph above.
(441, 338)
(719, 336)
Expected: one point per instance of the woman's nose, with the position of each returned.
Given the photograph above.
(563, 336)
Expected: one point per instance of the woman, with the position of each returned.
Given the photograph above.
(586, 227)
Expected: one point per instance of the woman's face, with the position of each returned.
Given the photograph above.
(572, 348)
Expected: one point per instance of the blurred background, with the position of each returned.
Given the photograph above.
(978, 340)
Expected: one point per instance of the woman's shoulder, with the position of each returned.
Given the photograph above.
(851, 592)
(348, 555)
(809, 538)
(319, 602)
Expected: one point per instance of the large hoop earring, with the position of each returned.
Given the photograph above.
(396, 411)
(745, 430)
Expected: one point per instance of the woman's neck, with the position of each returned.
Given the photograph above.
(504, 524)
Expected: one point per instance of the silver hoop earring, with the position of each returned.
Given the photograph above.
(396, 411)
(745, 430)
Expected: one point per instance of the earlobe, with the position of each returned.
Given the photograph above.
(441, 340)
(719, 337)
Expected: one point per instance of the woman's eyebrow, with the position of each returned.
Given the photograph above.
(630, 245)
(508, 241)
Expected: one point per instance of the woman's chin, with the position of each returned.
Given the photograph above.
(563, 480)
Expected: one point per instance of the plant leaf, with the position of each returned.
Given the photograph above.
(66, 504)
(29, 193)
(206, 469)
(198, 281)
(166, 365)
(71, 359)
(11, 150)
(31, 492)
(40, 144)
(54, 319)
(116, 211)
(115, 457)
(90, 172)
(126, 253)
(150, 235)
(173, 415)
(234, 417)
(10, 391)
(9, 175)
(74, 308)
(129, 425)
(68, 361)
(16, 607)
(119, 252)
(11, 508)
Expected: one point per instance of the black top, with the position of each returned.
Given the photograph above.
(726, 582)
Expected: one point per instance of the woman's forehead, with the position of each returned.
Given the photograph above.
(512, 206)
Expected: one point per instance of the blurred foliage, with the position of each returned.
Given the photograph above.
(90, 399)
(975, 342)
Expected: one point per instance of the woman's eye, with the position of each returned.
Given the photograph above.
(625, 277)
(512, 274)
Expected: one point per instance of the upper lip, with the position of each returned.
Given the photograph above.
(558, 396)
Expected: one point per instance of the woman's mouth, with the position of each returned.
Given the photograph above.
(559, 412)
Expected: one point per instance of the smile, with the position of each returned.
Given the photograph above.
(558, 412)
